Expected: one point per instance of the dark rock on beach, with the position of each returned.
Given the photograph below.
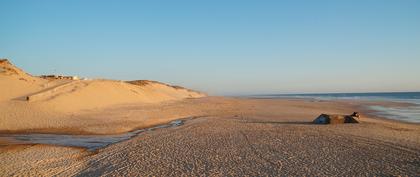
(336, 119)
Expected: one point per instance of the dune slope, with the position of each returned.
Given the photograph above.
(29, 102)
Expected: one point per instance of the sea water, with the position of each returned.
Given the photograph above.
(409, 113)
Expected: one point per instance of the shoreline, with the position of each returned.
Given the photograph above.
(374, 115)
(360, 104)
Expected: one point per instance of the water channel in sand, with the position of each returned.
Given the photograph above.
(90, 142)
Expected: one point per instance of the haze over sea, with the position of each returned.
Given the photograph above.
(404, 113)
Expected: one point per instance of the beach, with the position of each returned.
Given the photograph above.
(210, 88)
(233, 136)
(62, 126)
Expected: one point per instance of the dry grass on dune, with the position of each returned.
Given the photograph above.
(7, 68)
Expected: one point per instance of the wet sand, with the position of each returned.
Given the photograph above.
(238, 137)
(89, 142)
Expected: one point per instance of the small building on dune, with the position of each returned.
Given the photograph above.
(54, 77)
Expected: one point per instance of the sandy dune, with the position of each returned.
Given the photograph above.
(31, 103)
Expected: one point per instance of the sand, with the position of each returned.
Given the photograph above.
(238, 147)
(41, 160)
(244, 137)
(33, 104)
(231, 137)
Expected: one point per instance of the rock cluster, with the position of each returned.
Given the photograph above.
(337, 119)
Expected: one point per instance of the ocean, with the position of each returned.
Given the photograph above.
(402, 113)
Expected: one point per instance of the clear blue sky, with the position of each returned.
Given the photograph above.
(221, 47)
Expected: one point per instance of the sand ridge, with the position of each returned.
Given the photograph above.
(28, 102)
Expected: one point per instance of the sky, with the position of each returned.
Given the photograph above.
(221, 47)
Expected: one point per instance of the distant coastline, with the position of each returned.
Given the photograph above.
(401, 95)
(410, 113)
